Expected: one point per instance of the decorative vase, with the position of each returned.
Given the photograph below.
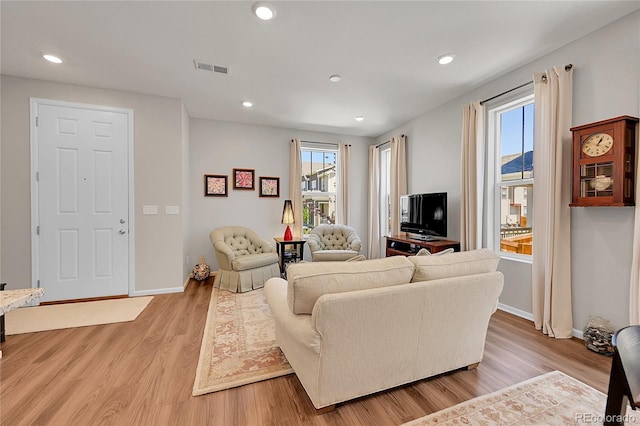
(288, 235)
(201, 271)
(597, 335)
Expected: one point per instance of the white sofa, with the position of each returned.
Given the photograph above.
(351, 329)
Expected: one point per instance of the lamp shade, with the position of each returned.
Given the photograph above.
(287, 213)
(287, 219)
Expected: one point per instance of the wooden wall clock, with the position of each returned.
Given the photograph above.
(604, 163)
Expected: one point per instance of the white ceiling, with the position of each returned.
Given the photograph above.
(385, 51)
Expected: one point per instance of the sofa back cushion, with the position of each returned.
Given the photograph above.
(308, 281)
(454, 264)
(333, 237)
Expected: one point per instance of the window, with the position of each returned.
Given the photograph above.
(319, 185)
(511, 130)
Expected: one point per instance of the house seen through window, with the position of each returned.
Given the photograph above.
(513, 128)
(319, 185)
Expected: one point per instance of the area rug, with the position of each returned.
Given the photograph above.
(70, 315)
(551, 399)
(239, 345)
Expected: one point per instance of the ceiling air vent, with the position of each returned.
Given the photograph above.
(203, 66)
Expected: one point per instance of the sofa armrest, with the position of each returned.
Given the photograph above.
(224, 254)
(313, 241)
(296, 326)
(354, 243)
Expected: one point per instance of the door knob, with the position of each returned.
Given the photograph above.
(123, 221)
(122, 231)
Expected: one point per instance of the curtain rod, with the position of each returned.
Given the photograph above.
(380, 144)
(322, 143)
(566, 68)
(505, 92)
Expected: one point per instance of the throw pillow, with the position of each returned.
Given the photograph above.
(308, 281)
(425, 252)
(454, 264)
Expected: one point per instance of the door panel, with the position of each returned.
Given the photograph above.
(82, 202)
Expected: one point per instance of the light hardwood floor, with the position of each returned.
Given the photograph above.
(142, 373)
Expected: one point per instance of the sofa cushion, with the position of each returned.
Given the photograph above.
(251, 261)
(357, 258)
(308, 281)
(333, 255)
(454, 264)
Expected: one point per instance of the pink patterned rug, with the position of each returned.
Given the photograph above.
(551, 399)
(239, 345)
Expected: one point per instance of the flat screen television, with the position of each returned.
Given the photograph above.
(424, 214)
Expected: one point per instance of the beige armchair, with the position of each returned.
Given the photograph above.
(245, 261)
(333, 243)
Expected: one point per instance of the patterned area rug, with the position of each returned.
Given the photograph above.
(551, 399)
(239, 344)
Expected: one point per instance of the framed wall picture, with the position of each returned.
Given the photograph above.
(269, 186)
(244, 179)
(215, 185)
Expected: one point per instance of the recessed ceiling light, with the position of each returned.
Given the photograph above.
(359, 118)
(335, 78)
(52, 58)
(445, 59)
(264, 11)
(247, 104)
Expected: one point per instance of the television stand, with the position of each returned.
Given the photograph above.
(405, 245)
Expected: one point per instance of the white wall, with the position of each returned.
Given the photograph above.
(158, 140)
(1, 276)
(606, 85)
(217, 147)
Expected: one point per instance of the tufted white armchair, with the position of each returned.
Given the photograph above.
(333, 243)
(245, 260)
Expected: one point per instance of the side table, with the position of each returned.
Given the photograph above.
(294, 254)
(624, 381)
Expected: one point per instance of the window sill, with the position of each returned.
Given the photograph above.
(515, 257)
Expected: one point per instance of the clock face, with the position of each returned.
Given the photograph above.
(597, 144)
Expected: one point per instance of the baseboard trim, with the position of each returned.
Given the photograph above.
(529, 316)
(88, 299)
(515, 311)
(156, 291)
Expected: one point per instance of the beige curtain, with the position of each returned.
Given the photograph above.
(342, 205)
(472, 176)
(551, 269)
(398, 179)
(634, 296)
(295, 186)
(373, 232)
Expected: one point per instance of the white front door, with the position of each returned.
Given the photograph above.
(82, 190)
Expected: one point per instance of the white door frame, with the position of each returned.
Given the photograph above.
(35, 238)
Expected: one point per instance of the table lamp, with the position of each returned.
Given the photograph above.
(287, 219)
